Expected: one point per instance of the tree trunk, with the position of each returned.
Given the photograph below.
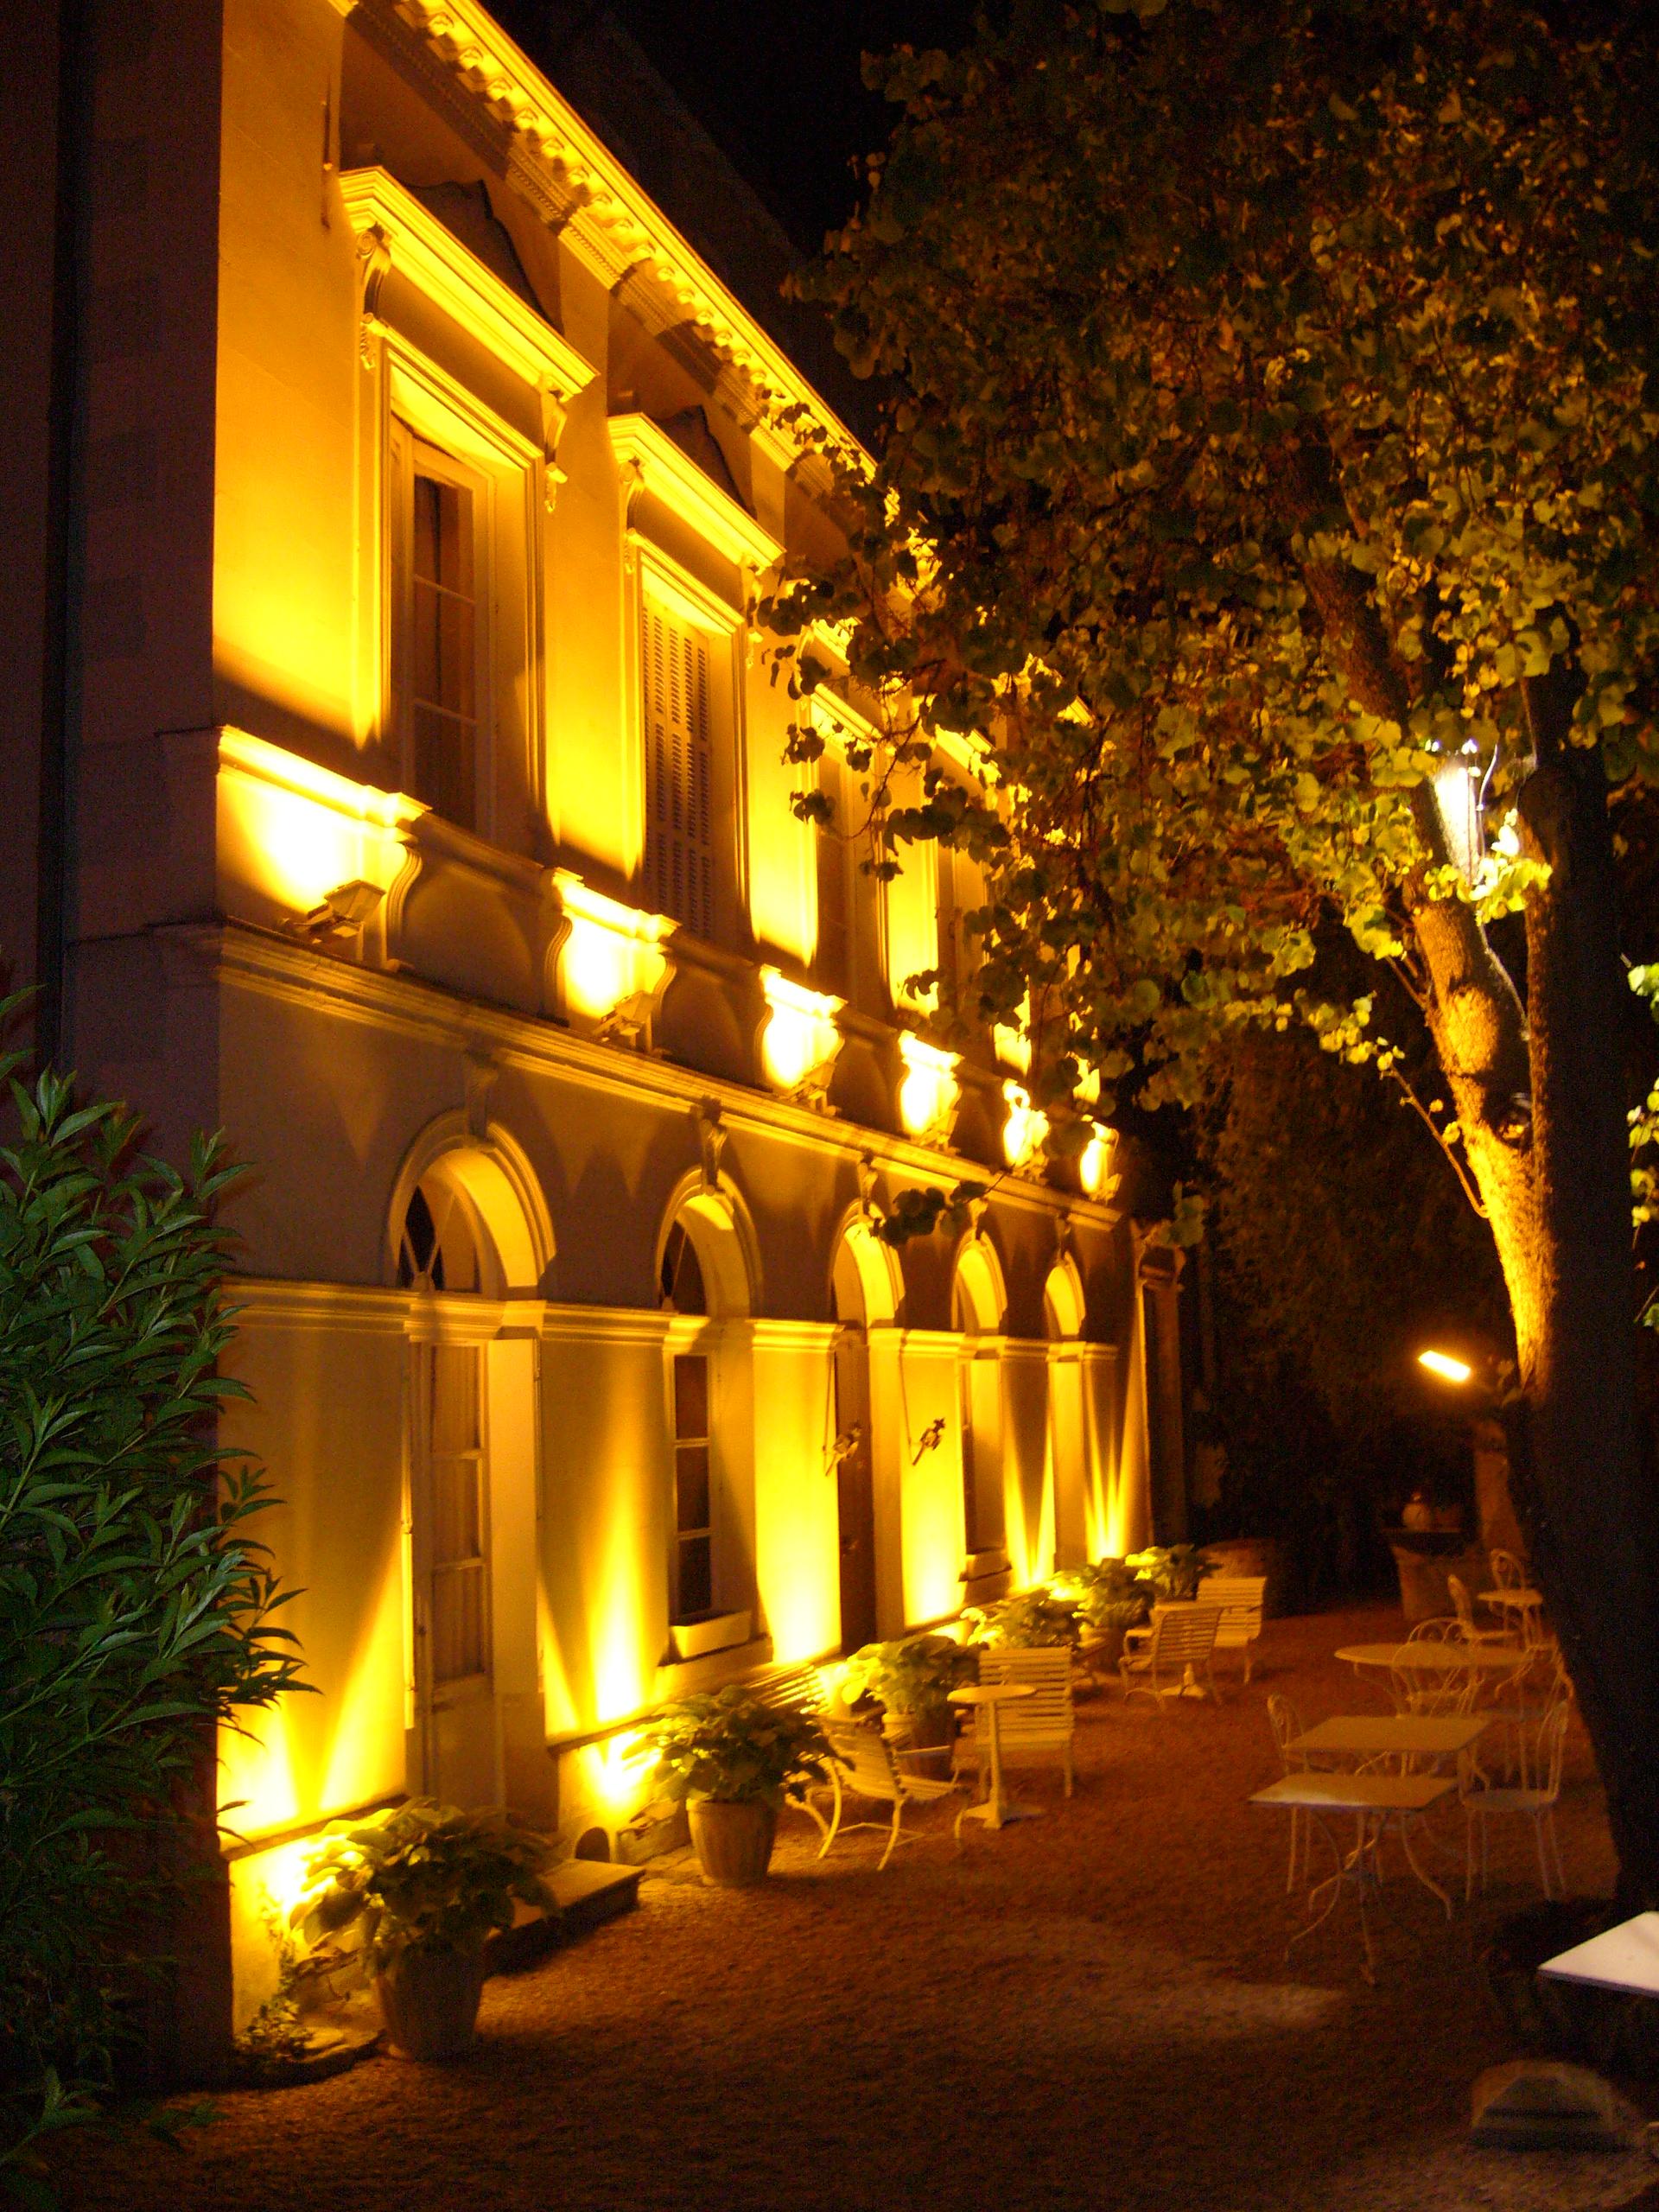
(1540, 1104)
(1580, 1459)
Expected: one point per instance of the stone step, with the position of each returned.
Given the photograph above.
(584, 1893)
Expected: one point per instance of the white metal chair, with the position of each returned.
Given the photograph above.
(1457, 1590)
(1508, 1574)
(1537, 1802)
(1434, 1692)
(1239, 1597)
(863, 1765)
(1171, 1654)
(1286, 1725)
(1031, 1731)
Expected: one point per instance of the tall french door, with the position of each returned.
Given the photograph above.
(454, 1669)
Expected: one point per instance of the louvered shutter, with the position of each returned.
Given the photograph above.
(835, 859)
(679, 772)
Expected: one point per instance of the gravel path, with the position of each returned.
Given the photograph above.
(1093, 2009)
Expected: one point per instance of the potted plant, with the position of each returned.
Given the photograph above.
(912, 1679)
(732, 1761)
(1109, 1601)
(1033, 1619)
(1172, 1571)
(427, 1884)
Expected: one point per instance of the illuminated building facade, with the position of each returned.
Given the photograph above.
(428, 831)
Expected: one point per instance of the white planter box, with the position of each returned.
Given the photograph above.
(696, 1639)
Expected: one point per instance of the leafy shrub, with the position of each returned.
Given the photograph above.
(1108, 1595)
(1172, 1572)
(909, 1673)
(135, 1608)
(424, 1877)
(732, 1747)
(1031, 1620)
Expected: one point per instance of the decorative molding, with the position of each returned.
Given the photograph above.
(395, 229)
(612, 224)
(711, 1140)
(609, 967)
(268, 1302)
(402, 1005)
(799, 1041)
(703, 506)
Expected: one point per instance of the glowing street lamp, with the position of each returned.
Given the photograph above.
(1446, 1365)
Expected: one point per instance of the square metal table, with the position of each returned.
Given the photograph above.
(1376, 1802)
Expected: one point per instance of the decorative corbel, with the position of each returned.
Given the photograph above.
(632, 477)
(373, 267)
(553, 420)
(867, 1182)
(711, 1140)
(481, 1075)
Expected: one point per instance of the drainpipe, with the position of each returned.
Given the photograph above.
(64, 534)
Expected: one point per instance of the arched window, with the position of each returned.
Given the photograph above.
(438, 1248)
(680, 1275)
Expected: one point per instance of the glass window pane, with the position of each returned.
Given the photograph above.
(690, 1395)
(445, 751)
(457, 1512)
(696, 1591)
(458, 1639)
(692, 1487)
(454, 1398)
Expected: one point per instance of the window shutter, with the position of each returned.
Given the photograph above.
(835, 862)
(679, 772)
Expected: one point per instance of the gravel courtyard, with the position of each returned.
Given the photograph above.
(1090, 2009)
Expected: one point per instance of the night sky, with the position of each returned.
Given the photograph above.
(777, 86)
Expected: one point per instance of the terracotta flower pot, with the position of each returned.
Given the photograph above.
(734, 1842)
(429, 2001)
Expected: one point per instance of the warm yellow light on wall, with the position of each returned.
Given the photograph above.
(619, 1773)
(1446, 1365)
(294, 832)
(799, 1038)
(929, 1088)
(1095, 1166)
(1023, 1129)
(613, 968)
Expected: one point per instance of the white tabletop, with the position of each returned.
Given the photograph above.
(991, 1692)
(1625, 1957)
(1371, 1733)
(1522, 1594)
(1357, 1793)
(1426, 1658)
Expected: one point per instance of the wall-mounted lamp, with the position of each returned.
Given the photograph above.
(929, 1440)
(1446, 1365)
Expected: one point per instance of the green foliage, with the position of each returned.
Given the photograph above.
(1109, 1594)
(913, 1672)
(919, 1212)
(734, 1748)
(1341, 1243)
(1272, 402)
(1171, 1572)
(1023, 1623)
(134, 1607)
(424, 1877)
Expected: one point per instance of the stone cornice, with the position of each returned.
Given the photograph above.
(577, 185)
(282, 968)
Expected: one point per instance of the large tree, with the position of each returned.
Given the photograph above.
(1270, 499)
